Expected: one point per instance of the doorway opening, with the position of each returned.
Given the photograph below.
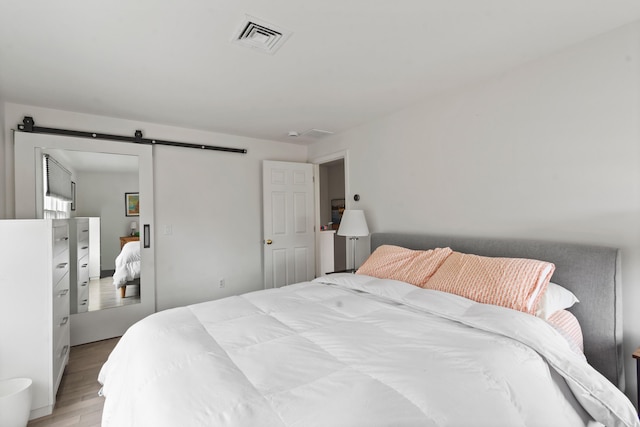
(331, 191)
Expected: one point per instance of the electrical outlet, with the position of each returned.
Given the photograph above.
(221, 283)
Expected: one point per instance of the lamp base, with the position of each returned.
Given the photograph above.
(354, 242)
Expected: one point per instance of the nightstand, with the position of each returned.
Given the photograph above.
(126, 239)
(636, 355)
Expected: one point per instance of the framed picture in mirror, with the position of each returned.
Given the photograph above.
(132, 204)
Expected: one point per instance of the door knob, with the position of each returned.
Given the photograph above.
(269, 241)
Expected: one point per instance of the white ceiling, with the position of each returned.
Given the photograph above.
(346, 63)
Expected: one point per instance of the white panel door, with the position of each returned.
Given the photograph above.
(289, 238)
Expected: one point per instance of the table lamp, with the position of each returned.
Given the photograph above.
(353, 225)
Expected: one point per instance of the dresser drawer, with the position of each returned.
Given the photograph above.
(60, 266)
(61, 328)
(83, 280)
(82, 236)
(60, 355)
(83, 247)
(60, 239)
(83, 299)
(60, 307)
(60, 316)
(83, 232)
(83, 269)
(83, 304)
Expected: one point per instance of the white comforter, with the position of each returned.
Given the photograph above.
(314, 354)
(127, 264)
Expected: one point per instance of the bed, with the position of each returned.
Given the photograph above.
(358, 350)
(127, 266)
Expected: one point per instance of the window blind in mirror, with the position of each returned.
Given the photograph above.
(57, 179)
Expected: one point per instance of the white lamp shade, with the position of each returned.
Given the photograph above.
(353, 224)
(134, 225)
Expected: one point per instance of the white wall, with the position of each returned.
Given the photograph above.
(549, 151)
(212, 201)
(101, 194)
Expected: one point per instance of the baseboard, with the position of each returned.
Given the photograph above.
(106, 273)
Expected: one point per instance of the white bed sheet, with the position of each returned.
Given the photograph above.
(351, 350)
(127, 264)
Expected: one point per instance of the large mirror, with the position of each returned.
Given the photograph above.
(91, 202)
(105, 189)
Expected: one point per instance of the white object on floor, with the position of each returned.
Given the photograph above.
(15, 402)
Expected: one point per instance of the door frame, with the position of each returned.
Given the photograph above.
(317, 161)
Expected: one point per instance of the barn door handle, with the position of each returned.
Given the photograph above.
(146, 236)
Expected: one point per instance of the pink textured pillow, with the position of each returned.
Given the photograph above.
(397, 263)
(567, 324)
(515, 283)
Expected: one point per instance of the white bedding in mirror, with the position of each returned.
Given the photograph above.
(127, 264)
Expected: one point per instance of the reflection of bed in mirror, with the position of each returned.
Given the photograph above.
(127, 267)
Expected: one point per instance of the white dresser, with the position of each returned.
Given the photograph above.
(79, 268)
(34, 306)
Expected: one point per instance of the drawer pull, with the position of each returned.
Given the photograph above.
(62, 239)
(65, 319)
(63, 293)
(64, 351)
(84, 265)
(84, 302)
(62, 265)
(83, 284)
(85, 247)
(85, 231)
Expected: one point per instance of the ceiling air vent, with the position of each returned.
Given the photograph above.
(260, 35)
(316, 133)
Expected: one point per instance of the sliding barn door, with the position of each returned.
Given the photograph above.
(112, 322)
(289, 238)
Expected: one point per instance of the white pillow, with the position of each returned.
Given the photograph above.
(555, 298)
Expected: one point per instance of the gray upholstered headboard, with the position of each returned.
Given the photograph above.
(592, 273)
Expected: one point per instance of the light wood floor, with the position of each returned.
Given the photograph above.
(102, 294)
(78, 403)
